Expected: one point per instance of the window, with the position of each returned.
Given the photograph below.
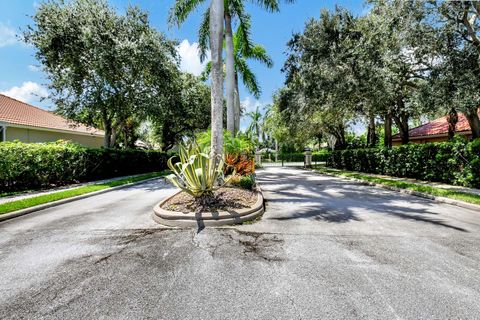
(2, 134)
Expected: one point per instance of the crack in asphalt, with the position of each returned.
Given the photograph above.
(253, 244)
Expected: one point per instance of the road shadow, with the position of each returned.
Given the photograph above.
(306, 195)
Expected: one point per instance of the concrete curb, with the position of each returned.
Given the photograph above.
(207, 219)
(454, 202)
(18, 213)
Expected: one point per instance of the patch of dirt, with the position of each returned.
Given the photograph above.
(224, 199)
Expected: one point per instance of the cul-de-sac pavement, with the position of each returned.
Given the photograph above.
(325, 248)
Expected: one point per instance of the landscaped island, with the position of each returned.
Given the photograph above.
(214, 189)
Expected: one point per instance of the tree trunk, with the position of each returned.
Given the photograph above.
(113, 136)
(107, 128)
(452, 119)
(108, 134)
(237, 105)
(216, 41)
(230, 74)
(387, 140)
(402, 130)
(339, 134)
(276, 150)
(402, 123)
(474, 122)
(371, 134)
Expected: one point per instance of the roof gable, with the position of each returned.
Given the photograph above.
(438, 127)
(15, 112)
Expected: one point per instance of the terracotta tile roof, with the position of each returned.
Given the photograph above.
(437, 127)
(16, 112)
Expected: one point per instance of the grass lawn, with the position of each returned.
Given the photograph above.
(434, 191)
(46, 198)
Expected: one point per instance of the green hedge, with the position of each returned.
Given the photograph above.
(449, 162)
(25, 166)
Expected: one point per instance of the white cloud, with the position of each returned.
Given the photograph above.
(190, 59)
(33, 68)
(28, 92)
(8, 36)
(250, 104)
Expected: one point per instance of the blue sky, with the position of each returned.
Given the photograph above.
(21, 77)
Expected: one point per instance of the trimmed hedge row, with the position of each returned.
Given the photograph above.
(449, 162)
(25, 166)
(317, 156)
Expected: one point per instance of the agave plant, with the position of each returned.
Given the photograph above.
(197, 173)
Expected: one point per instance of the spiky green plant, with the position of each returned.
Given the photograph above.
(198, 173)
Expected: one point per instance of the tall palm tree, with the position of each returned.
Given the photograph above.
(232, 9)
(254, 127)
(242, 52)
(216, 40)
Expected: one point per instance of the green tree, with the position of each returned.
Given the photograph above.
(319, 81)
(96, 73)
(454, 81)
(189, 113)
(233, 9)
(242, 53)
(254, 129)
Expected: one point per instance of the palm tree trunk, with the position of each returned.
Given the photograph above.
(230, 74)
(237, 105)
(216, 41)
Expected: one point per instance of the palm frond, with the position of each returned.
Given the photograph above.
(243, 31)
(206, 72)
(269, 5)
(258, 52)
(204, 35)
(181, 10)
(248, 77)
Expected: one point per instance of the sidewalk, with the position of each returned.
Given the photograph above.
(439, 185)
(429, 183)
(35, 193)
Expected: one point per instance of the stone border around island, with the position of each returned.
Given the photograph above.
(207, 219)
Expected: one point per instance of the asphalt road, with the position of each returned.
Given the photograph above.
(325, 249)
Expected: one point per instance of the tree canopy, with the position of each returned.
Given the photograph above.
(114, 71)
(402, 61)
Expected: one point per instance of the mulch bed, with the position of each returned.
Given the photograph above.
(224, 199)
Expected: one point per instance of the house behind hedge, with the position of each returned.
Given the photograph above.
(436, 131)
(26, 123)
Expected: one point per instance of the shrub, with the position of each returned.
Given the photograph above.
(242, 164)
(25, 166)
(197, 173)
(292, 157)
(449, 162)
(244, 182)
(232, 145)
(321, 155)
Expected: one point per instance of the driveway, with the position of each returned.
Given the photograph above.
(326, 248)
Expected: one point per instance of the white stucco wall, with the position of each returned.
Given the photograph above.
(33, 135)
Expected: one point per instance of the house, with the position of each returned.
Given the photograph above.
(436, 131)
(26, 123)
